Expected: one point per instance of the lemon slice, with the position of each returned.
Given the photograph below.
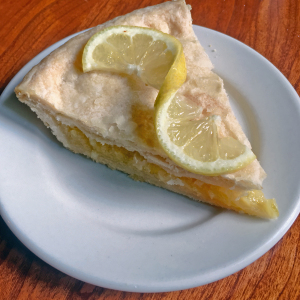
(194, 143)
(158, 59)
(148, 53)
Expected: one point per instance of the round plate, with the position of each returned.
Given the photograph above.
(102, 227)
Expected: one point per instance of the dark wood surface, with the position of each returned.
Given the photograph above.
(271, 27)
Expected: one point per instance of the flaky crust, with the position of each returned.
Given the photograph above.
(118, 110)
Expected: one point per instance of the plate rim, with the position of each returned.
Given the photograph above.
(262, 249)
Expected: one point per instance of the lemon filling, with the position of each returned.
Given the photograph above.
(251, 202)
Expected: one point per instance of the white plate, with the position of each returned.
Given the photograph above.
(100, 226)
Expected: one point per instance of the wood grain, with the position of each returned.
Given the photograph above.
(270, 27)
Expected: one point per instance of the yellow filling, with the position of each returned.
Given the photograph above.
(251, 202)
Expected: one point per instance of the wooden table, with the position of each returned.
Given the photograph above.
(270, 27)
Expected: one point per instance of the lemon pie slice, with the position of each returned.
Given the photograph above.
(125, 110)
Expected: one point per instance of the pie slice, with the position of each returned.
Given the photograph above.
(110, 117)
